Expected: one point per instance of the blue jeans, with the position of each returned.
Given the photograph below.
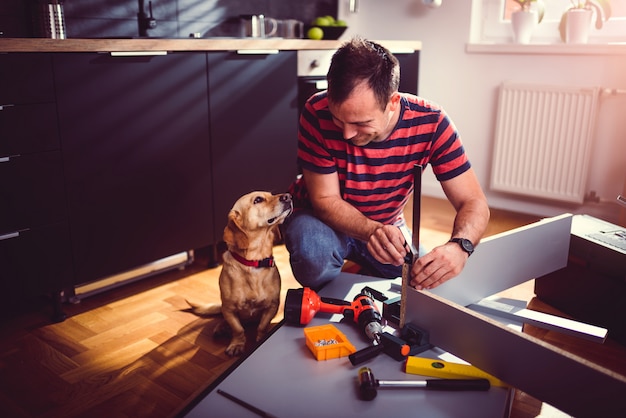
(317, 252)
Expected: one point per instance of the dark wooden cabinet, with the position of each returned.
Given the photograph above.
(254, 115)
(35, 252)
(137, 157)
(111, 162)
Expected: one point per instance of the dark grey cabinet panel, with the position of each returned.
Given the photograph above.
(35, 253)
(136, 151)
(25, 78)
(253, 125)
(34, 262)
(27, 128)
(32, 191)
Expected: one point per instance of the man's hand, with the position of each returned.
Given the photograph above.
(388, 245)
(438, 266)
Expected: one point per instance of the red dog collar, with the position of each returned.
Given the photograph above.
(266, 262)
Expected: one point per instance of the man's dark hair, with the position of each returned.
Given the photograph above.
(361, 60)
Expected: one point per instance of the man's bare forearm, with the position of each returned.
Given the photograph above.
(471, 220)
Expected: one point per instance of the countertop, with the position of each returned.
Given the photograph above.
(190, 44)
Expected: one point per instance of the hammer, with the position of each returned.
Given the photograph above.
(368, 384)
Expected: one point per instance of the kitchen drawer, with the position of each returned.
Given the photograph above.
(32, 191)
(34, 262)
(28, 128)
(26, 78)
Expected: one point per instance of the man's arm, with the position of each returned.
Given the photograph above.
(385, 242)
(472, 216)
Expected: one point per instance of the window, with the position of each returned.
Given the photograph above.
(491, 23)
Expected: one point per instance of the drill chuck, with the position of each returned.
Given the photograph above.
(373, 330)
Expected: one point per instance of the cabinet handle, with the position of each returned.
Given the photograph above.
(5, 105)
(137, 53)
(257, 51)
(7, 159)
(9, 235)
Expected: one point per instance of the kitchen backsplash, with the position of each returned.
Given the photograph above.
(179, 18)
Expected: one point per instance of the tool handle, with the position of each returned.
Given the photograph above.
(334, 306)
(457, 384)
(365, 354)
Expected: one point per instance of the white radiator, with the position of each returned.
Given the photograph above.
(543, 140)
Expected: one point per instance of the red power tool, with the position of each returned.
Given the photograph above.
(301, 305)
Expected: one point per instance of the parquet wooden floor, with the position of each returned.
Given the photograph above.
(135, 351)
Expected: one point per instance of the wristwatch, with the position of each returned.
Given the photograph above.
(465, 244)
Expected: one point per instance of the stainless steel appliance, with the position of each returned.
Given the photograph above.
(255, 26)
(313, 65)
(290, 29)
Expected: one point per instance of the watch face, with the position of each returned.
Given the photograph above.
(467, 245)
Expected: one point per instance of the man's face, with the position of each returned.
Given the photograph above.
(361, 119)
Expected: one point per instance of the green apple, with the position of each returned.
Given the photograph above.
(341, 23)
(315, 33)
(322, 21)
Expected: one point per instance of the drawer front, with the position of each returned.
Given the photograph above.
(32, 191)
(28, 128)
(26, 78)
(32, 263)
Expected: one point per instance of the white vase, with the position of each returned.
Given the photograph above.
(577, 26)
(524, 23)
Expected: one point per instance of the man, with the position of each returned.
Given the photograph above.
(358, 143)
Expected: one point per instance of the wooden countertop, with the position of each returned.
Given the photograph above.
(203, 44)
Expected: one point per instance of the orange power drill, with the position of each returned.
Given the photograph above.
(301, 305)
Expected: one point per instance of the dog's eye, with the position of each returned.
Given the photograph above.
(258, 199)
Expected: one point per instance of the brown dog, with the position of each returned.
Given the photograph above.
(249, 281)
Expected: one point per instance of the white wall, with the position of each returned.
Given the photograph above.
(466, 85)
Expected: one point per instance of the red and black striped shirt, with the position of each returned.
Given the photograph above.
(377, 178)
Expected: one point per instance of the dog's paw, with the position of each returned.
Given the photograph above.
(260, 335)
(235, 349)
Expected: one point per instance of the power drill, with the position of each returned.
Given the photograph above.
(301, 305)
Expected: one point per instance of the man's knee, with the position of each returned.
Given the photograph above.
(315, 250)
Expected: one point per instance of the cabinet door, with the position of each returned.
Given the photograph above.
(254, 118)
(26, 128)
(25, 78)
(32, 191)
(33, 262)
(136, 150)
(35, 254)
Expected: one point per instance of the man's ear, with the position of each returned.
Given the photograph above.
(394, 101)
(234, 235)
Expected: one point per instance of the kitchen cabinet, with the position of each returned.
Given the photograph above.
(137, 157)
(35, 250)
(254, 116)
(112, 161)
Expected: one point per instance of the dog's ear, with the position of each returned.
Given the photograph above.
(233, 233)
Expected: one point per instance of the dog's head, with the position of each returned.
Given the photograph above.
(256, 213)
